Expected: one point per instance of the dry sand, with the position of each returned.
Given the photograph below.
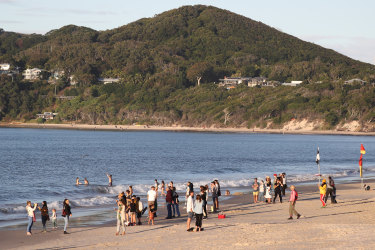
(350, 224)
(302, 127)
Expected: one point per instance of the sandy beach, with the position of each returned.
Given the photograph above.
(288, 130)
(349, 224)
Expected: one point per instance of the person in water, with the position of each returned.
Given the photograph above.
(77, 181)
(86, 181)
(109, 180)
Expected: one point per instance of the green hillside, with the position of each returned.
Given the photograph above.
(158, 60)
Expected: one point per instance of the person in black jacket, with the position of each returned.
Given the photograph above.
(66, 213)
(278, 187)
(44, 215)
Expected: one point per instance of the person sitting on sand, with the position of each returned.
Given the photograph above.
(77, 181)
(292, 203)
(323, 189)
(86, 181)
(109, 180)
(255, 187)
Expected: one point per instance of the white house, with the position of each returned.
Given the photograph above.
(108, 80)
(4, 66)
(72, 80)
(32, 74)
(355, 80)
(47, 115)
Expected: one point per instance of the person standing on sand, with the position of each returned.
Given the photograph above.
(204, 201)
(330, 191)
(190, 210)
(214, 195)
(218, 191)
(30, 216)
(255, 187)
(330, 179)
(44, 214)
(261, 191)
(151, 197)
(268, 195)
(66, 213)
(292, 203)
(175, 202)
(277, 187)
(121, 206)
(323, 189)
(198, 210)
(284, 183)
(169, 200)
(109, 180)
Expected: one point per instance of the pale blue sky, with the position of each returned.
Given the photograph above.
(346, 26)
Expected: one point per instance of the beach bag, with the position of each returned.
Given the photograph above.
(296, 195)
(63, 213)
(34, 218)
(221, 215)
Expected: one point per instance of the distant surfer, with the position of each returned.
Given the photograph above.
(109, 180)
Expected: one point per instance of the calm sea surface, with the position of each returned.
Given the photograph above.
(39, 164)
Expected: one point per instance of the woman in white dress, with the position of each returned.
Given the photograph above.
(268, 195)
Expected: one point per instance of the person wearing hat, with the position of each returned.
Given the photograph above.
(323, 190)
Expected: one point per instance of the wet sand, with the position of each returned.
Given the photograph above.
(348, 224)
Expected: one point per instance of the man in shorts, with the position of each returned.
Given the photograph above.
(190, 209)
(255, 190)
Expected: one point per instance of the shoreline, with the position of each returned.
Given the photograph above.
(74, 126)
(352, 213)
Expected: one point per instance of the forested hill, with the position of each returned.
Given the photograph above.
(158, 59)
(220, 42)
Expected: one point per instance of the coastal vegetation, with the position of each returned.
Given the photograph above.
(158, 61)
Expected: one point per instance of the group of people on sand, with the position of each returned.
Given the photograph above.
(30, 209)
(262, 191)
(327, 188)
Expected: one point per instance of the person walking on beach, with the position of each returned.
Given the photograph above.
(330, 179)
(255, 187)
(330, 191)
(190, 210)
(169, 200)
(277, 187)
(121, 206)
(292, 203)
(261, 191)
(175, 202)
(214, 195)
(163, 188)
(30, 216)
(198, 210)
(66, 213)
(322, 190)
(44, 214)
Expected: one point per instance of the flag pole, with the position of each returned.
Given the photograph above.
(318, 163)
(319, 171)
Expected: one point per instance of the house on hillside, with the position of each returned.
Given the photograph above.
(4, 66)
(232, 82)
(56, 75)
(47, 115)
(108, 80)
(32, 74)
(292, 83)
(72, 80)
(354, 81)
(257, 81)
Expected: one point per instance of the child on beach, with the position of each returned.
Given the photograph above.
(151, 213)
(323, 189)
(261, 191)
(54, 219)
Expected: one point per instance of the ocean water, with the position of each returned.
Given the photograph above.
(40, 164)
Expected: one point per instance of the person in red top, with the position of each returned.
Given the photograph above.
(292, 203)
(168, 200)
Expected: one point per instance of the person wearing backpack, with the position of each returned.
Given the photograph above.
(292, 203)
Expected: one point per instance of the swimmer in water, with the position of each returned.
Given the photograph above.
(77, 181)
(86, 181)
(109, 180)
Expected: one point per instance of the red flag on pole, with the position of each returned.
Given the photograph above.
(363, 151)
(360, 166)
